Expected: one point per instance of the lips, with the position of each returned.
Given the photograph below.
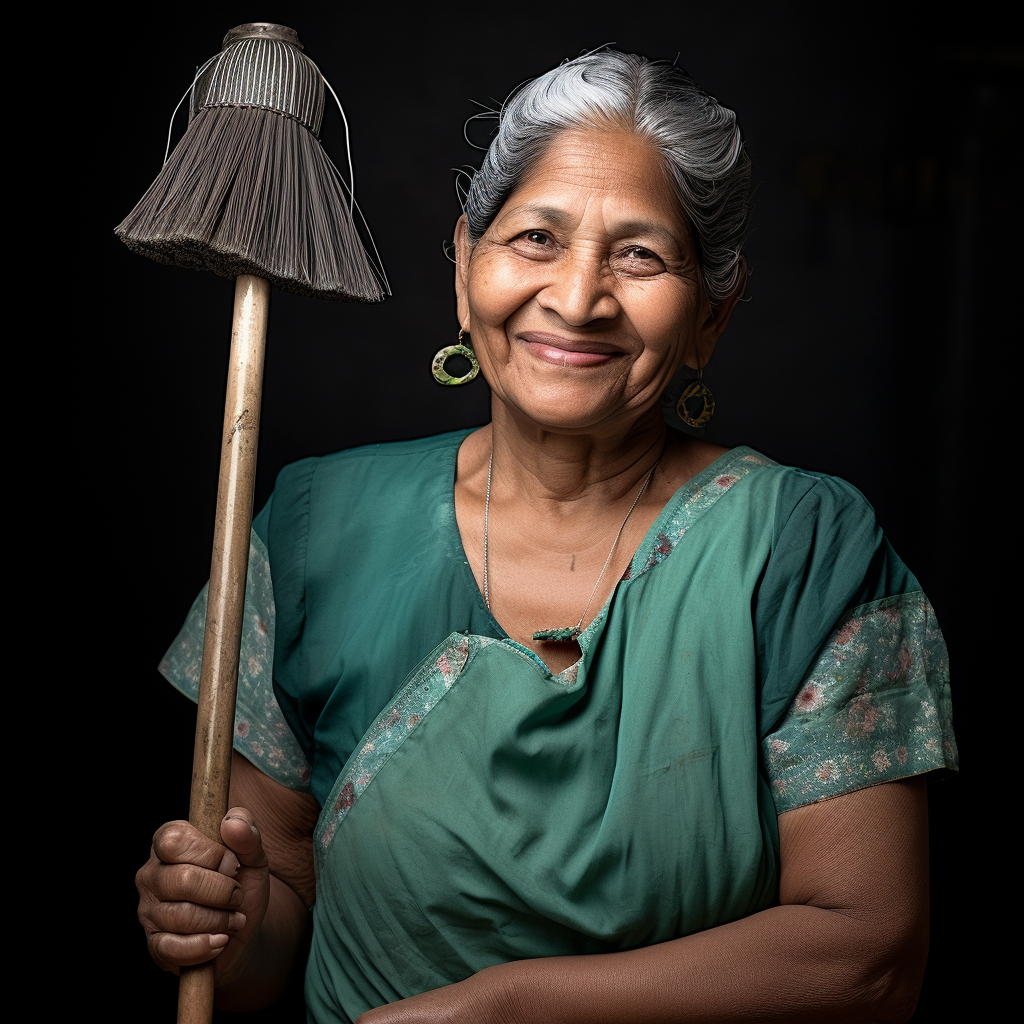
(562, 351)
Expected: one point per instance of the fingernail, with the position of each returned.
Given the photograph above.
(237, 817)
(236, 897)
(236, 921)
(219, 941)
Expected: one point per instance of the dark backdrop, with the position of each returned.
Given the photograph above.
(884, 155)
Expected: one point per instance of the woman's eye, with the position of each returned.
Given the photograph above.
(638, 260)
(534, 244)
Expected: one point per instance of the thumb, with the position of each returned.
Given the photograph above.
(240, 835)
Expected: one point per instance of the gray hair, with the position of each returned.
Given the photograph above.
(697, 136)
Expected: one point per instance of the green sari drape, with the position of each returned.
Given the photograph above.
(765, 648)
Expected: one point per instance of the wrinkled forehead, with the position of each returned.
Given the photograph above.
(611, 170)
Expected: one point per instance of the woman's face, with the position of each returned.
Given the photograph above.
(584, 296)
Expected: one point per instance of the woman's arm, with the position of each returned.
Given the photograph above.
(244, 902)
(848, 942)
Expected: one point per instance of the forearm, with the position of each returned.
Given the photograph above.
(791, 963)
(274, 953)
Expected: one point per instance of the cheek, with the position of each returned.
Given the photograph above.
(666, 321)
(496, 289)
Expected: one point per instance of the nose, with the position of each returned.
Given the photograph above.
(581, 289)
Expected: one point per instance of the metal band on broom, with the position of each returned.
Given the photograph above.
(247, 193)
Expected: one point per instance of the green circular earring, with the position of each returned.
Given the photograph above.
(696, 415)
(442, 376)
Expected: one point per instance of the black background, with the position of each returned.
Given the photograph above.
(875, 345)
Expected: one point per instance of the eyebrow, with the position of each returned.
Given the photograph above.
(645, 227)
(549, 213)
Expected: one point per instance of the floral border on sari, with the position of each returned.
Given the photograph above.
(874, 708)
(691, 508)
(418, 695)
(262, 734)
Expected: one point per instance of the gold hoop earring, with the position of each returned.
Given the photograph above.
(688, 411)
(442, 376)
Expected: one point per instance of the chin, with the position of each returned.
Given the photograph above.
(572, 414)
(575, 400)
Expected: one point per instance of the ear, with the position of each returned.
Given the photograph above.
(716, 317)
(462, 250)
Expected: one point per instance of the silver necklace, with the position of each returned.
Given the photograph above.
(561, 634)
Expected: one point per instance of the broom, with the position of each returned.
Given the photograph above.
(247, 193)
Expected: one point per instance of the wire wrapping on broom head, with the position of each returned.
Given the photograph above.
(249, 189)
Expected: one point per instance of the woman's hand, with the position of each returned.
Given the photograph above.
(199, 899)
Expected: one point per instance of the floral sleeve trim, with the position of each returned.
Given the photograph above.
(874, 708)
(693, 507)
(429, 682)
(262, 734)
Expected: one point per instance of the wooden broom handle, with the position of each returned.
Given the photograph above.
(211, 763)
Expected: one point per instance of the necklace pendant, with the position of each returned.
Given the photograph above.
(562, 634)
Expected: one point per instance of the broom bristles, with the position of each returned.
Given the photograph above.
(248, 190)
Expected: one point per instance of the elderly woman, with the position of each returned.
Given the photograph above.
(574, 717)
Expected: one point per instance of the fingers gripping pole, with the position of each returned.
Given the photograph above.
(211, 764)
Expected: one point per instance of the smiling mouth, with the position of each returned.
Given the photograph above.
(559, 351)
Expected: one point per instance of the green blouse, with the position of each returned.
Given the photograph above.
(765, 649)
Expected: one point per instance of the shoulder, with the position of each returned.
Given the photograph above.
(352, 516)
(798, 500)
(821, 535)
(369, 484)
(397, 463)
(381, 491)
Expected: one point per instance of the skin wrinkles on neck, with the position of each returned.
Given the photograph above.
(563, 474)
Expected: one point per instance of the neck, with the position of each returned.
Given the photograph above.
(551, 468)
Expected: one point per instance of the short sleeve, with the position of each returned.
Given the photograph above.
(853, 669)
(875, 707)
(261, 733)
